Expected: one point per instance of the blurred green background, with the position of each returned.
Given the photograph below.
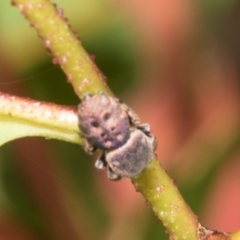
(177, 64)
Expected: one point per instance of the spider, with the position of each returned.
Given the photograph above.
(126, 146)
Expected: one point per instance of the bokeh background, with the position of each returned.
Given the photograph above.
(177, 64)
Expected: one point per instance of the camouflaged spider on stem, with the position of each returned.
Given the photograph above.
(106, 124)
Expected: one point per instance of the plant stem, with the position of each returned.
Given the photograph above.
(167, 203)
(64, 45)
(47, 119)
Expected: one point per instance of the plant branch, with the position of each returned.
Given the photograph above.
(64, 45)
(25, 117)
(166, 201)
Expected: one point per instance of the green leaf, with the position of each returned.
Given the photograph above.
(13, 128)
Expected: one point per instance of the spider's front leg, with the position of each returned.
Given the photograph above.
(88, 148)
(101, 164)
(112, 175)
(133, 117)
(145, 128)
(101, 161)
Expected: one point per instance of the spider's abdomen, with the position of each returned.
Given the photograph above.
(130, 159)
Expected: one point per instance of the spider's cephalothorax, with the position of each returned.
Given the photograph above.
(109, 125)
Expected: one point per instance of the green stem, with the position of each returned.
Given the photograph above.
(166, 202)
(64, 45)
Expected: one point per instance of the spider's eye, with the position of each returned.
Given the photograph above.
(106, 116)
(95, 124)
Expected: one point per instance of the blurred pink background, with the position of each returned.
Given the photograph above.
(186, 86)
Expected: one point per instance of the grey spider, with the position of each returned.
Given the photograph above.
(106, 124)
